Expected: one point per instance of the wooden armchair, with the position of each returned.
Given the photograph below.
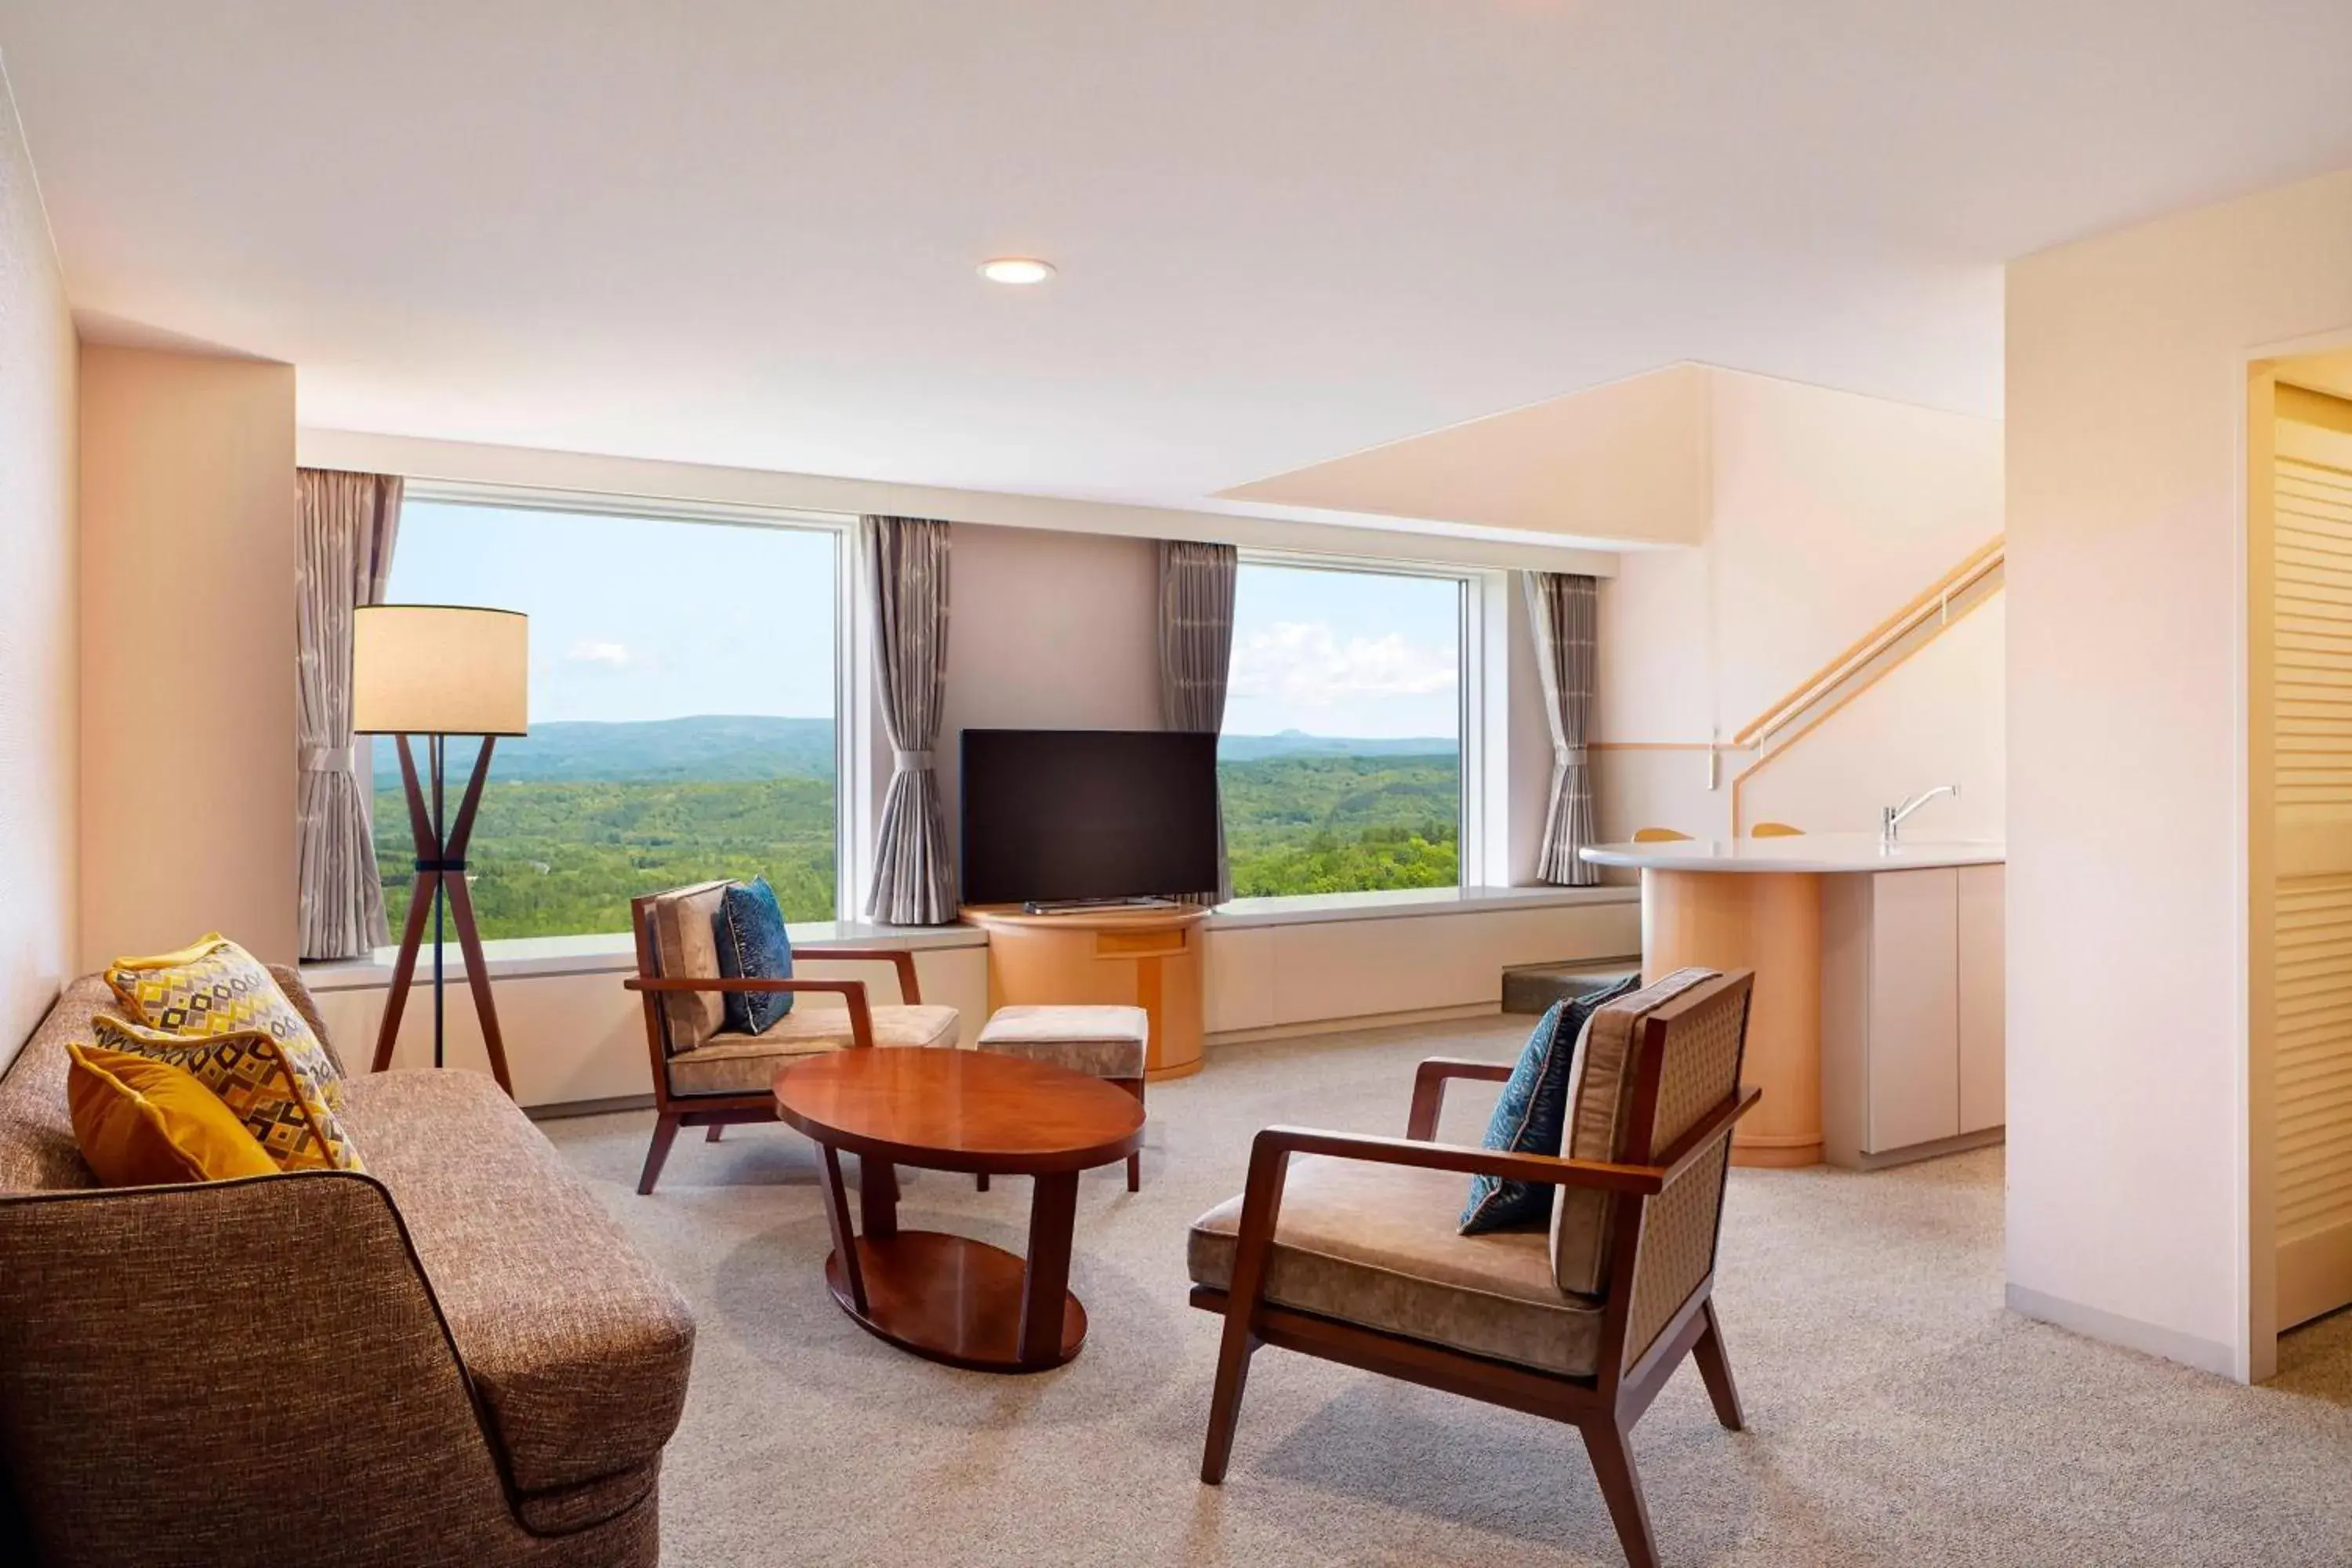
(707, 1075)
(1352, 1254)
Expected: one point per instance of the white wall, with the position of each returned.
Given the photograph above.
(2129, 1148)
(38, 715)
(1830, 511)
(187, 652)
(1939, 718)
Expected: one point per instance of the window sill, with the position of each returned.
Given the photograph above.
(1405, 903)
(524, 958)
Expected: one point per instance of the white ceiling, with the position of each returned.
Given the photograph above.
(741, 231)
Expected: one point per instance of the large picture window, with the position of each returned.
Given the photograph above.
(1341, 758)
(683, 697)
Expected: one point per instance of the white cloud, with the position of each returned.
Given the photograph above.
(612, 655)
(1305, 662)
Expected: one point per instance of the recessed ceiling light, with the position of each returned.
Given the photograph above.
(1016, 270)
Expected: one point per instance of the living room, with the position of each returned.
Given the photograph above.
(1521, 632)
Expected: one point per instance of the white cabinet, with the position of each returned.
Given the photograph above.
(1911, 1011)
(1984, 1090)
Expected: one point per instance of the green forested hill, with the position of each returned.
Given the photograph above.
(557, 860)
(1322, 824)
(571, 830)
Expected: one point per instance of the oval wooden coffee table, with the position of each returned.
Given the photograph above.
(949, 1297)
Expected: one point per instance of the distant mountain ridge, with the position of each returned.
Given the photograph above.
(722, 748)
(730, 748)
(1299, 744)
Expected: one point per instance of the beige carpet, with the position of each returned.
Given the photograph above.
(1897, 1414)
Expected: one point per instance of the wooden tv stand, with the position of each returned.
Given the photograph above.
(1138, 958)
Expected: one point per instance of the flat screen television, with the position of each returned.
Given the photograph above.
(1054, 815)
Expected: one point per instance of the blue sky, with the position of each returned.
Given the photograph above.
(633, 618)
(1343, 653)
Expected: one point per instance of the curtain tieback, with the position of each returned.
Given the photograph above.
(1571, 756)
(325, 759)
(911, 762)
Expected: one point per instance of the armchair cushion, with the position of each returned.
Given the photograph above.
(753, 945)
(685, 946)
(733, 1063)
(578, 1349)
(1378, 1245)
(1531, 1114)
(1600, 1122)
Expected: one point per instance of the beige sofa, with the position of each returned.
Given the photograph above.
(456, 1357)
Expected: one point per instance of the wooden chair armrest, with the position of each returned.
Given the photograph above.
(861, 1014)
(910, 992)
(1542, 1170)
(1429, 1088)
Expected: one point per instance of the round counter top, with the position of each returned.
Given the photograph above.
(1817, 852)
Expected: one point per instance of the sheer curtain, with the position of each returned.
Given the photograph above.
(1564, 609)
(348, 523)
(1196, 656)
(907, 573)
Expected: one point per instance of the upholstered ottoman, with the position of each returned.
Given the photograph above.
(1107, 1043)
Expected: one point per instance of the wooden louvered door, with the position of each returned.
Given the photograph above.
(2311, 720)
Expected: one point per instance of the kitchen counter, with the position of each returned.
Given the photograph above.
(1822, 852)
(1874, 1028)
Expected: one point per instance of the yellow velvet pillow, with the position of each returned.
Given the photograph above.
(145, 1123)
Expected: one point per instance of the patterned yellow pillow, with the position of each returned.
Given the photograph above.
(268, 1084)
(214, 987)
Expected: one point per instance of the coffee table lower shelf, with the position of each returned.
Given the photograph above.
(949, 1298)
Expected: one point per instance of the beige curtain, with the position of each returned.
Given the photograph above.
(1196, 657)
(907, 573)
(347, 523)
(1564, 609)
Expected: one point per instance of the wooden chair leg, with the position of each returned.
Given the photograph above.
(1134, 1086)
(665, 1134)
(1715, 1368)
(981, 1180)
(1225, 1402)
(716, 1129)
(1611, 1451)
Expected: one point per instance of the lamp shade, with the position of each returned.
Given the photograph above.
(446, 670)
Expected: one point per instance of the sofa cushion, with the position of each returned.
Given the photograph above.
(1530, 1115)
(578, 1348)
(685, 946)
(1600, 1119)
(273, 1087)
(733, 1063)
(1378, 1245)
(214, 987)
(141, 1122)
(753, 945)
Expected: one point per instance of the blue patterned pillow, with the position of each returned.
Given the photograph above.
(1532, 1117)
(753, 945)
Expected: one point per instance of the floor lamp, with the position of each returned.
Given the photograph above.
(440, 671)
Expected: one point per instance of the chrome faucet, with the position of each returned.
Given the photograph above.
(1890, 821)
